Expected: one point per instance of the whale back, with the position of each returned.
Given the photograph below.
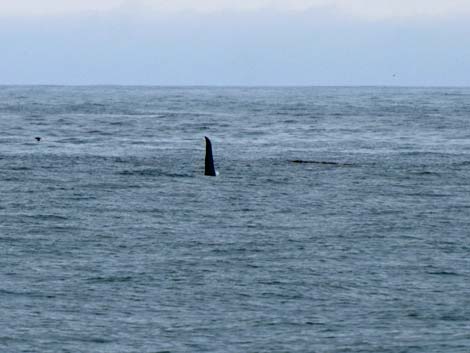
(209, 161)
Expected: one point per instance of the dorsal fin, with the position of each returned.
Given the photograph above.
(209, 162)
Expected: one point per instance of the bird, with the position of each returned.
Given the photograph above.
(37, 139)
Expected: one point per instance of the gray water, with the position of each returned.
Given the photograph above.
(113, 240)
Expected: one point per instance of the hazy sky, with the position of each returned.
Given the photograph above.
(228, 42)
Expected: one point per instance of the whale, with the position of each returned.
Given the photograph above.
(209, 169)
(301, 161)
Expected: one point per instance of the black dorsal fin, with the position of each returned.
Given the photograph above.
(209, 168)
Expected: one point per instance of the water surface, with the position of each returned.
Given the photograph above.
(112, 239)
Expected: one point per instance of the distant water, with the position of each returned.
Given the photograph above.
(112, 240)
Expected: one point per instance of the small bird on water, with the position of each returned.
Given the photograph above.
(37, 139)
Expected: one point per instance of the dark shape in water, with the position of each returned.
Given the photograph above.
(209, 167)
(37, 139)
(300, 161)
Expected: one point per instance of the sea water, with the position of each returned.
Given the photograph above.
(113, 240)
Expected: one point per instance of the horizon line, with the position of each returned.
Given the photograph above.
(225, 86)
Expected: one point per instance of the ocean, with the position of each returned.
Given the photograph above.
(113, 240)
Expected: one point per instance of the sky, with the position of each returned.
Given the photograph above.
(243, 42)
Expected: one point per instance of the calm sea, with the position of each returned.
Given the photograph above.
(113, 240)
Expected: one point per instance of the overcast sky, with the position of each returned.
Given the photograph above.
(228, 42)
